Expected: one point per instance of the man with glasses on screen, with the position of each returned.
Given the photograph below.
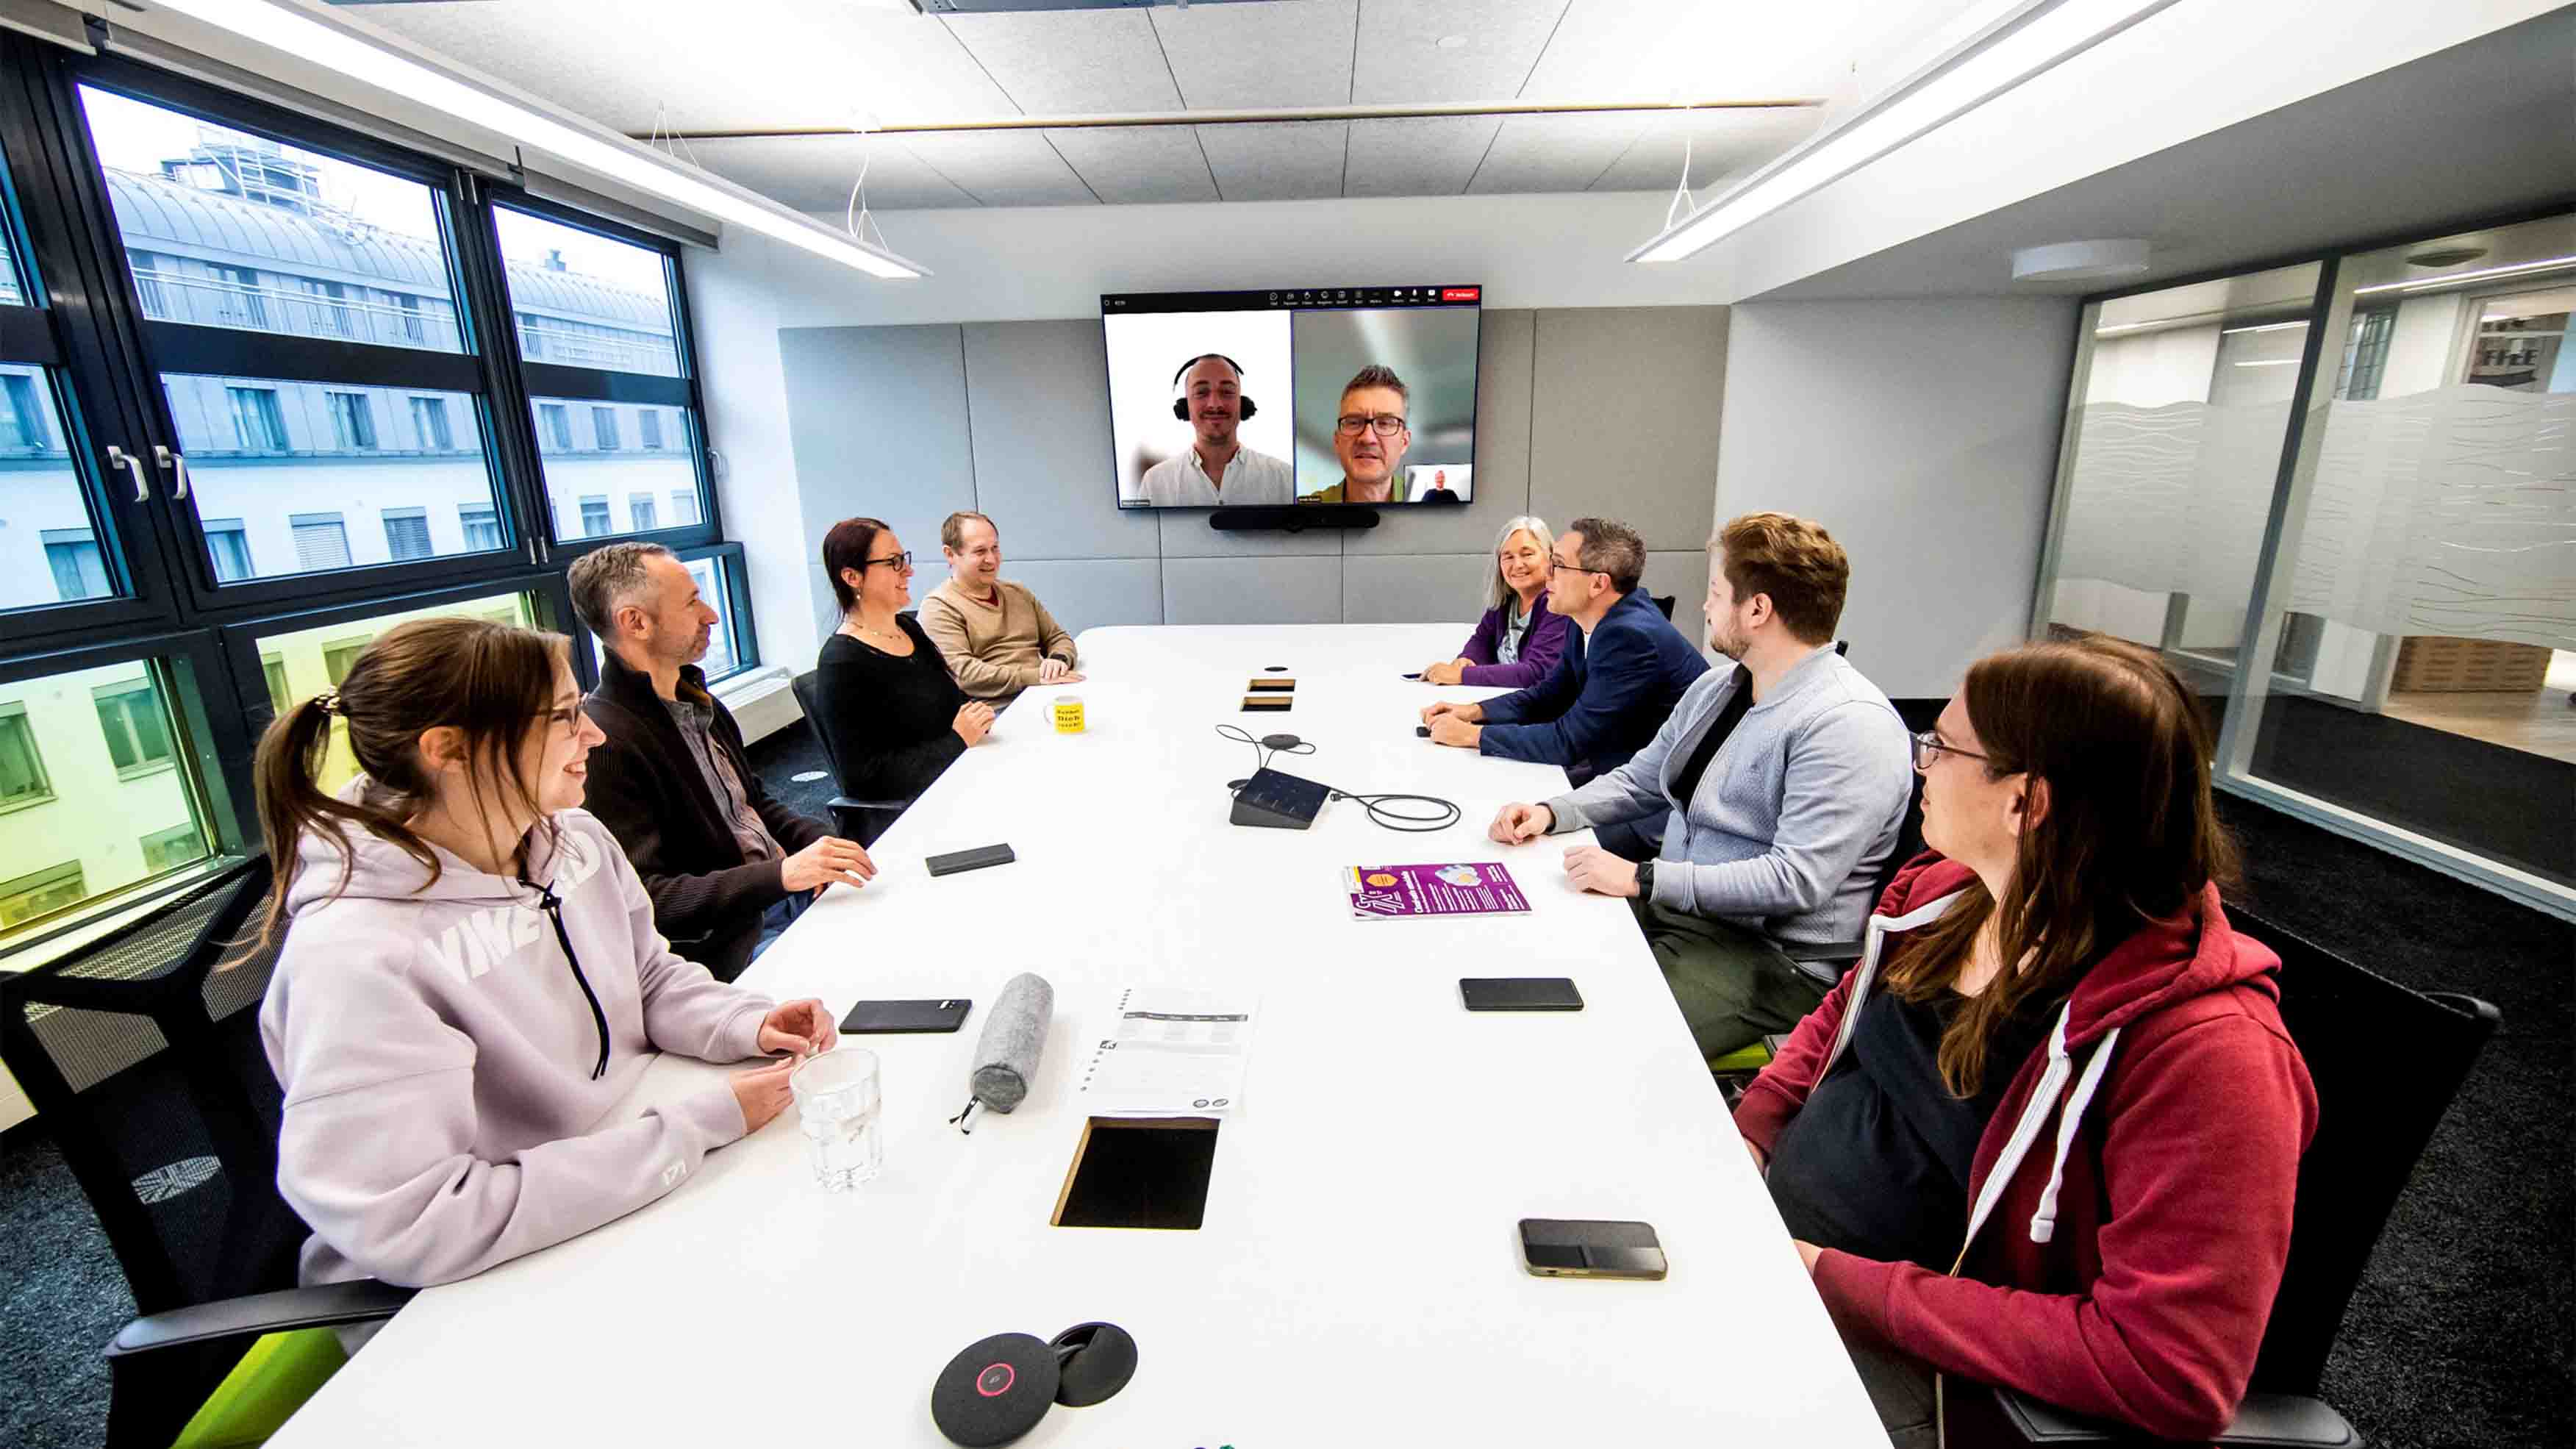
(1216, 469)
(1370, 436)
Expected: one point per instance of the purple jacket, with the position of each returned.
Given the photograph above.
(1540, 646)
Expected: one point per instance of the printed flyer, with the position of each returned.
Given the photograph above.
(1469, 888)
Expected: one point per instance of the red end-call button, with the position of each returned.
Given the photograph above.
(1460, 294)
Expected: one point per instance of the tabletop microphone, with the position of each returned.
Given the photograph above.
(1006, 1059)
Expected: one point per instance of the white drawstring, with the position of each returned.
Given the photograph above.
(2043, 1223)
(2024, 1133)
(1873, 939)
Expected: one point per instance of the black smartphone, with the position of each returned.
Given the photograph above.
(1585, 1248)
(878, 1018)
(976, 859)
(1519, 993)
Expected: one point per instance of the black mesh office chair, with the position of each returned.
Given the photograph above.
(144, 1064)
(1663, 602)
(2373, 1122)
(859, 820)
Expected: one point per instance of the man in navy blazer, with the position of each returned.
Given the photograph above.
(1611, 691)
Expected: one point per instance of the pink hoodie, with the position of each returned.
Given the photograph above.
(447, 1105)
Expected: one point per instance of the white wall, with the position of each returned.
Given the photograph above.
(2151, 369)
(1924, 435)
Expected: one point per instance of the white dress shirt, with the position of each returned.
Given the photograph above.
(1182, 482)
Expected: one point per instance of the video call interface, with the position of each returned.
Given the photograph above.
(1317, 395)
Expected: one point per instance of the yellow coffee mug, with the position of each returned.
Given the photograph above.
(1068, 714)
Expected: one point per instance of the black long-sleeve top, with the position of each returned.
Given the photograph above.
(892, 719)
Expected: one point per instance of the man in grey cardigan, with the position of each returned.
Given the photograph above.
(1783, 784)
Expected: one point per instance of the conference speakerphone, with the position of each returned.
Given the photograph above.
(1276, 800)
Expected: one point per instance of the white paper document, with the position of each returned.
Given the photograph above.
(1173, 1052)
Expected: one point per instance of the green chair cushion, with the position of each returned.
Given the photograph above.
(271, 1382)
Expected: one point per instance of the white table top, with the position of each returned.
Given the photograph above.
(1358, 1277)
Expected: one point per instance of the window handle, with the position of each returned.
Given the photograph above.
(119, 458)
(170, 462)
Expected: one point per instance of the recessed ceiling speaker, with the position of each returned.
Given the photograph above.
(2080, 261)
(2444, 256)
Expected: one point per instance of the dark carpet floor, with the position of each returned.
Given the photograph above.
(2463, 1332)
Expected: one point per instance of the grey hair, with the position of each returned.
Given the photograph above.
(605, 579)
(1501, 593)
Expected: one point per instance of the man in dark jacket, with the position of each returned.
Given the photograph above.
(1611, 690)
(727, 865)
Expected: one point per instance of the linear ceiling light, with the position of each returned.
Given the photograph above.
(311, 33)
(2031, 38)
(2428, 283)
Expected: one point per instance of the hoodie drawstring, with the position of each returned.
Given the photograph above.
(2025, 1133)
(1873, 939)
(552, 905)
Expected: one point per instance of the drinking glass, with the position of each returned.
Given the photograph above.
(838, 1105)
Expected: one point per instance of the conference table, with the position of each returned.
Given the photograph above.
(1357, 1279)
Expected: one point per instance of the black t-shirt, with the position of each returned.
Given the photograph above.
(1686, 784)
(1876, 1164)
(892, 717)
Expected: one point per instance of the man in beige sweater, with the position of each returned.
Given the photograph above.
(997, 638)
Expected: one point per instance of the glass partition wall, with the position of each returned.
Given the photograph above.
(2341, 498)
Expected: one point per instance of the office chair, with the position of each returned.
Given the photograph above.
(859, 820)
(2373, 1123)
(1663, 602)
(145, 1066)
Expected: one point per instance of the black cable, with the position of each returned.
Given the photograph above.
(1263, 752)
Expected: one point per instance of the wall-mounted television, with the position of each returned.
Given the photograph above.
(1311, 395)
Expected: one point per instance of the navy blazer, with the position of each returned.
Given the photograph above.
(1605, 699)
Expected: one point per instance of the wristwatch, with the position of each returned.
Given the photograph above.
(1645, 880)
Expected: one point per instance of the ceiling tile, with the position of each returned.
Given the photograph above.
(1428, 157)
(770, 64)
(1695, 50)
(1071, 63)
(1137, 164)
(1723, 144)
(1287, 161)
(1260, 57)
(814, 173)
(1555, 153)
(1001, 168)
(1401, 62)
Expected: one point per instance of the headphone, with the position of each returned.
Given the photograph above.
(1181, 405)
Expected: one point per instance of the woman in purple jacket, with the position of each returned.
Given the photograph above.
(1518, 640)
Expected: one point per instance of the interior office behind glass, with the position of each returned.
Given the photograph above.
(2399, 563)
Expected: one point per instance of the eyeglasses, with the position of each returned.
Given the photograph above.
(1554, 567)
(1929, 746)
(901, 562)
(1385, 425)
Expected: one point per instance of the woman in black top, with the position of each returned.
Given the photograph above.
(895, 716)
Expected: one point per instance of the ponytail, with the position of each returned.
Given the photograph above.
(492, 682)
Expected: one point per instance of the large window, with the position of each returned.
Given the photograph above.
(2337, 497)
(278, 386)
(92, 796)
(599, 343)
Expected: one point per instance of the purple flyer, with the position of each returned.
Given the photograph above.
(1469, 888)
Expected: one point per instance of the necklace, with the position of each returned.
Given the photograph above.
(861, 625)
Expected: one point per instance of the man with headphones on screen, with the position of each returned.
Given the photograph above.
(1216, 468)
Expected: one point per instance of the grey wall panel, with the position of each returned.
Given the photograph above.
(877, 420)
(1624, 421)
(1186, 534)
(1414, 588)
(1285, 590)
(1502, 455)
(1038, 397)
(1087, 593)
(1685, 577)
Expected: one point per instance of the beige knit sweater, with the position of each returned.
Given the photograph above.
(993, 650)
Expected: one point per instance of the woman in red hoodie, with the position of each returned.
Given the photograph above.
(2072, 1176)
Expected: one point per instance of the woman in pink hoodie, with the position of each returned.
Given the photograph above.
(471, 980)
(2052, 1142)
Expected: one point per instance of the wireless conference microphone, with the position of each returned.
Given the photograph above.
(1006, 1058)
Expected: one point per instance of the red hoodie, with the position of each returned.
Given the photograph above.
(2140, 1293)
